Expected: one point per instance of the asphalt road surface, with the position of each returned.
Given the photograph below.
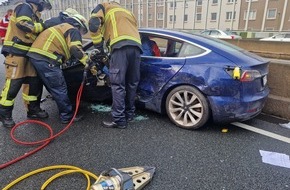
(214, 158)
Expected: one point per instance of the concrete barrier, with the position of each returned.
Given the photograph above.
(278, 102)
(276, 50)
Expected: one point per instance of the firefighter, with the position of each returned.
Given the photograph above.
(51, 49)
(24, 25)
(118, 28)
(55, 21)
(4, 24)
(60, 18)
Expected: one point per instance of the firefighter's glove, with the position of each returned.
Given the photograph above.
(90, 65)
(94, 70)
(87, 67)
(43, 26)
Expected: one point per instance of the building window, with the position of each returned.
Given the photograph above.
(171, 18)
(269, 29)
(199, 2)
(159, 3)
(230, 16)
(185, 4)
(159, 16)
(198, 17)
(231, 1)
(214, 1)
(252, 15)
(185, 19)
(149, 16)
(271, 14)
(172, 4)
(129, 6)
(213, 16)
(149, 3)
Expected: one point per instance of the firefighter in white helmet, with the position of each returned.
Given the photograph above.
(51, 49)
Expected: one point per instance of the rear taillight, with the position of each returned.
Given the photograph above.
(250, 75)
(233, 37)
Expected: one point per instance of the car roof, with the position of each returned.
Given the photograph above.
(184, 36)
(200, 39)
(174, 33)
(219, 46)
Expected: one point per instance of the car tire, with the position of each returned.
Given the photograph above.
(187, 107)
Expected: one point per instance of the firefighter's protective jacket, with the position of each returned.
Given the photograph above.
(57, 44)
(23, 28)
(111, 22)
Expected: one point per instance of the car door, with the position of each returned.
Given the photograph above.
(157, 71)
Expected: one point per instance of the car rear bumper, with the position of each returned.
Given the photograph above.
(230, 109)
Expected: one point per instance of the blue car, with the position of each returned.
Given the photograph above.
(194, 78)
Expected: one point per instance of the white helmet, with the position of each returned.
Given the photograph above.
(80, 22)
(70, 12)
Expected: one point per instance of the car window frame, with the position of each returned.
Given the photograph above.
(176, 39)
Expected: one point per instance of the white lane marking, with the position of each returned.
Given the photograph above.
(262, 132)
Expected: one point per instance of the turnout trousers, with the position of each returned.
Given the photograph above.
(124, 77)
(19, 73)
(53, 79)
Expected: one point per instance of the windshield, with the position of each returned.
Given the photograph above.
(230, 33)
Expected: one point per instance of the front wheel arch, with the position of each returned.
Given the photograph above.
(187, 107)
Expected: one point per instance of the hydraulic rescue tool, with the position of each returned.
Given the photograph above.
(132, 178)
(99, 67)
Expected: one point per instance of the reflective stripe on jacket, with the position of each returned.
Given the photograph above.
(22, 29)
(58, 43)
(117, 24)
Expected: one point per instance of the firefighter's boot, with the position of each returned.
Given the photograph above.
(6, 116)
(35, 112)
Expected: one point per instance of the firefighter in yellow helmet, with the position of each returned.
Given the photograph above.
(118, 27)
(51, 49)
(24, 26)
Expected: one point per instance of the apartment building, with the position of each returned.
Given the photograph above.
(201, 14)
(238, 15)
(265, 15)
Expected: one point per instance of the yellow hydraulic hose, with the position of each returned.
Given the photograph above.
(69, 170)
